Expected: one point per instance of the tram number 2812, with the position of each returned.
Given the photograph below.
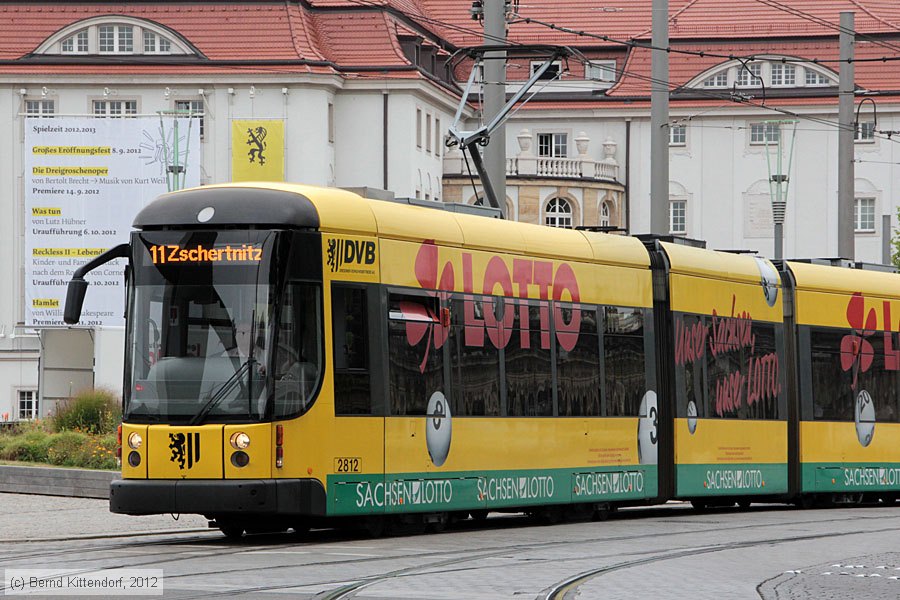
(347, 465)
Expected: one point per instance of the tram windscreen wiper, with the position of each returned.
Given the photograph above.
(221, 392)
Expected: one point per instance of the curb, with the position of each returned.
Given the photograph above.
(49, 481)
(104, 536)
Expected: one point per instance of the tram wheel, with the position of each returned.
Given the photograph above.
(550, 515)
(438, 524)
(806, 501)
(301, 528)
(374, 527)
(743, 503)
(601, 513)
(699, 505)
(232, 531)
(478, 515)
(579, 512)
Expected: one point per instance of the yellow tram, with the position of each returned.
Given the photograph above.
(848, 379)
(727, 356)
(301, 356)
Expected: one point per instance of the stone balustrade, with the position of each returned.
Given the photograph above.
(526, 164)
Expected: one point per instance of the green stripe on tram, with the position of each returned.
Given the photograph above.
(730, 479)
(424, 492)
(850, 477)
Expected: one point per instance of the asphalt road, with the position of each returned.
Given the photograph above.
(768, 552)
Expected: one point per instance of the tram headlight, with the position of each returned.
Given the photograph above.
(240, 440)
(135, 440)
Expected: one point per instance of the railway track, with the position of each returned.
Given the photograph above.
(360, 575)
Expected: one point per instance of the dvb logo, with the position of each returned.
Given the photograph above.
(347, 252)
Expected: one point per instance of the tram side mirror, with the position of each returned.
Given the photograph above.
(74, 300)
(78, 286)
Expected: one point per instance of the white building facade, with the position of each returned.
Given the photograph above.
(365, 101)
(340, 129)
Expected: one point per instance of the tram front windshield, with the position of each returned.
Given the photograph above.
(200, 326)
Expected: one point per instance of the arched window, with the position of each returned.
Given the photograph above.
(558, 213)
(604, 215)
(115, 34)
(678, 200)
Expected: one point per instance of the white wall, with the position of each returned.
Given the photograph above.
(716, 169)
(718, 166)
(359, 117)
(354, 159)
(109, 358)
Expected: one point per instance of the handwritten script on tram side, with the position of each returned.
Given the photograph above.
(755, 380)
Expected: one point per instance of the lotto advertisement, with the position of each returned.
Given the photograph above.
(85, 180)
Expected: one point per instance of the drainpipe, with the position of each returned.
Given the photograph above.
(627, 176)
(384, 140)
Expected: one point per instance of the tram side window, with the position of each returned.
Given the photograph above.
(578, 368)
(624, 359)
(690, 348)
(351, 353)
(529, 378)
(765, 373)
(298, 350)
(726, 355)
(415, 355)
(878, 382)
(474, 360)
(831, 385)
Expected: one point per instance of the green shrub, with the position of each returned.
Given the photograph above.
(90, 411)
(76, 449)
(32, 446)
(67, 448)
(42, 425)
(100, 453)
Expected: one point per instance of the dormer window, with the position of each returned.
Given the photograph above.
(76, 44)
(600, 70)
(552, 72)
(719, 80)
(765, 72)
(116, 39)
(156, 44)
(750, 75)
(115, 35)
(815, 78)
(783, 75)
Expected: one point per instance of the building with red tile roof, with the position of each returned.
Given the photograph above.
(364, 93)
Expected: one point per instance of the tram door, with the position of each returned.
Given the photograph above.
(356, 484)
(416, 341)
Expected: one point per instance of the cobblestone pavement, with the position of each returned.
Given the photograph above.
(768, 552)
(869, 576)
(30, 517)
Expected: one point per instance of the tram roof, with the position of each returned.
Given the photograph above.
(340, 211)
(832, 279)
(712, 264)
